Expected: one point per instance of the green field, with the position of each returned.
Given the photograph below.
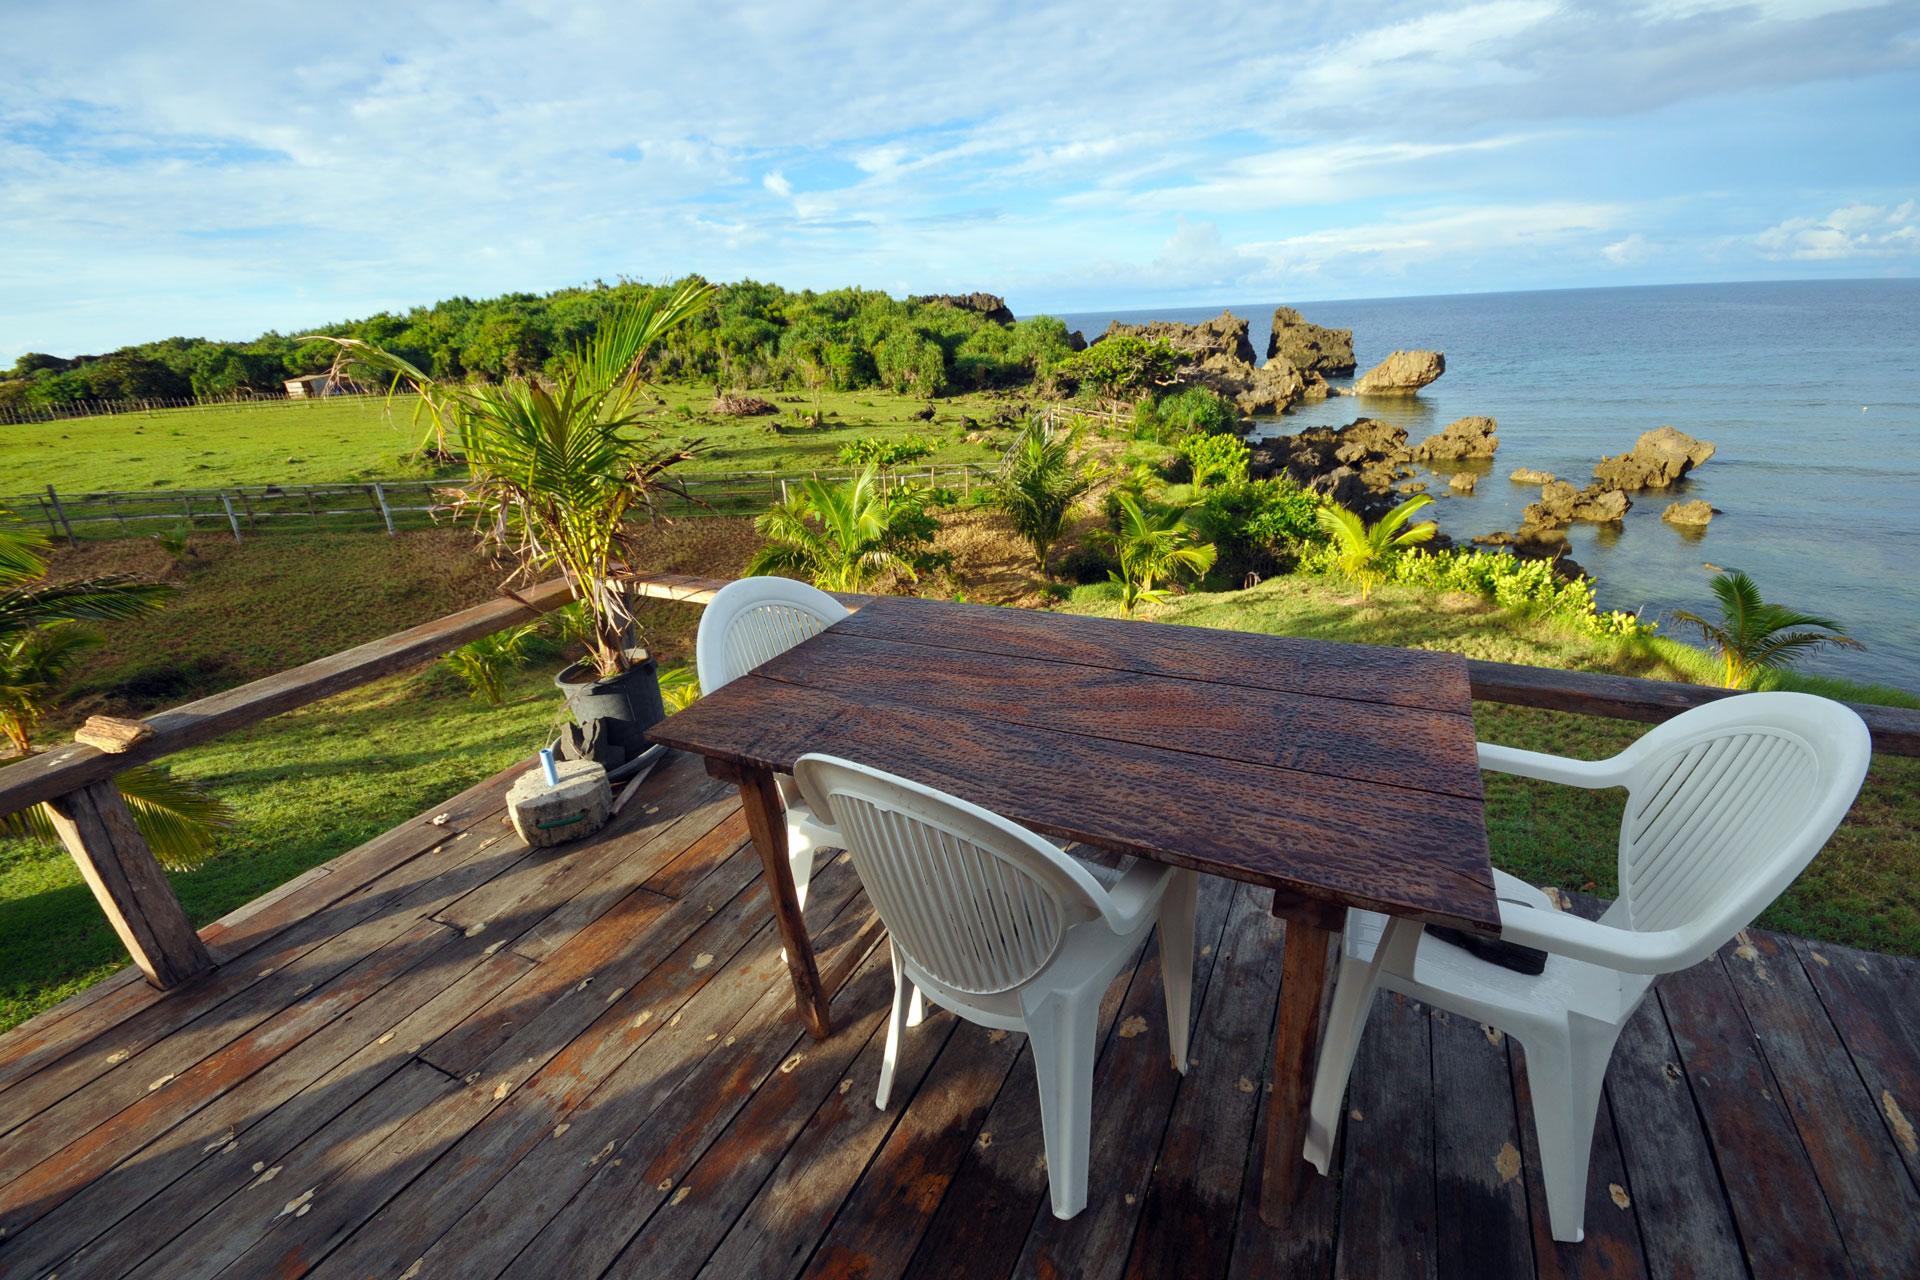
(332, 441)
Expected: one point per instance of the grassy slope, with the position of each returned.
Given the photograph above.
(315, 442)
(1862, 890)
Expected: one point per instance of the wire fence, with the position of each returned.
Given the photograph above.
(16, 415)
(393, 505)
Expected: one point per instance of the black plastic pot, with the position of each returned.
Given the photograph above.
(614, 713)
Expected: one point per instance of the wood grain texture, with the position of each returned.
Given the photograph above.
(1762, 1163)
(1387, 1225)
(1239, 659)
(1306, 971)
(1839, 1121)
(1857, 989)
(1341, 738)
(99, 831)
(1383, 848)
(1480, 1199)
(767, 824)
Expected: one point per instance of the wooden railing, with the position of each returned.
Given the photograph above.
(75, 781)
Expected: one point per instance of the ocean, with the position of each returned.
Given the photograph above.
(1809, 390)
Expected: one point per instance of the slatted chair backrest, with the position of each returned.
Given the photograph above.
(1726, 804)
(978, 903)
(754, 619)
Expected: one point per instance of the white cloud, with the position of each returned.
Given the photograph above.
(1629, 252)
(1855, 231)
(777, 184)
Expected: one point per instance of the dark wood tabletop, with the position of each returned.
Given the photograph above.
(1341, 773)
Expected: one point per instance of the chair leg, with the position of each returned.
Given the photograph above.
(1060, 1034)
(1176, 960)
(801, 860)
(1346, 1019)
(896, 1023)
(1565, 1076)
(917, 1009)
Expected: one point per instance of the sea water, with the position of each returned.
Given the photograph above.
(1809, 390)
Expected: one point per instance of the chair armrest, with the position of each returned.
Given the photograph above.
(1536, 764)
(1569, 935)
(1137, 893)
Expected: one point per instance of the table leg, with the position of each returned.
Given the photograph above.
(1312, 929)
(767, 824)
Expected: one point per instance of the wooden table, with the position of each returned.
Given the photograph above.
(1338, 775)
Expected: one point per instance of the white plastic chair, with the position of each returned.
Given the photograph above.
(751, 621)
(1006, 930)
(1726, 804)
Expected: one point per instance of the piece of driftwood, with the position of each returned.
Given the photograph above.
(112, 734)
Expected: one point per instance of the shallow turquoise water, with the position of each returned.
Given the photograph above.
(1810, 390)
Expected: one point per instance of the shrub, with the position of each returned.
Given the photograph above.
(1040, 483)
(1123, 367)
(485, 663)
(873, 451)
(1215, 459)
(1197, 409)
(1259, 526)
(1527, 586)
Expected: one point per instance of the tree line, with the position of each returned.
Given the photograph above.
(751, 334)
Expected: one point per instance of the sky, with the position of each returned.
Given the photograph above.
(222, 170)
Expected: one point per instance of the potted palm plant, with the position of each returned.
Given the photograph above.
(559, 473)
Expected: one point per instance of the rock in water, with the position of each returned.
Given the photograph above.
(1308, 347)
(1527, 475)
(1465, 438)
(1656, 460)
(1695, 513)
(982, 304)
(1560, 504)
(1464, 481)
(1355, 466)
(1401, 374)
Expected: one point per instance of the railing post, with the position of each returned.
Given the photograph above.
(59, 511)
(232, 519)
(385, 514)
(98, 830)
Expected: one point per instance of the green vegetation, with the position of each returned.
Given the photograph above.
(847, 536)
(1041, 480)
(751, 334)
(1365, 552)
(876, 451)
(1752, 636)
(483, 665)
(560, 470)
(1526, 586)
(1154, 543)
(1215, 459)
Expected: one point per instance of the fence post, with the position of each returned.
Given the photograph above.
(55, 499)
(98, 830)
(231, 518)
(385, 514)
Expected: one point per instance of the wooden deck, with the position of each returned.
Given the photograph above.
(442, 1055)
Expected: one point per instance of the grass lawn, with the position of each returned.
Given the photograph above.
(329, 441)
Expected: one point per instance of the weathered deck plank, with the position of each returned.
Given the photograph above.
(446, 1055)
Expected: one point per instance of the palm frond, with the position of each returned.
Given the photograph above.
(114, 598)
(23, 551)
(178, 819)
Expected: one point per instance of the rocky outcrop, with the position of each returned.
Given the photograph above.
(1356, 466)
(1076, 341)
(1464, 438)
(1527, 475)
(1225, 334)
(1463, 482)
(1271, 388)
(1695, 513)
(1309, 347)
(1560, 504)
(983, 304)
(1401, 374)
(1656, 460)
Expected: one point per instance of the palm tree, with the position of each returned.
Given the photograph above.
(1360, 551)
(557, 471)
(42, 632)
(1153, 543)
(1040, 481)
(1752, 635)
(484, 663)
(839, 537)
